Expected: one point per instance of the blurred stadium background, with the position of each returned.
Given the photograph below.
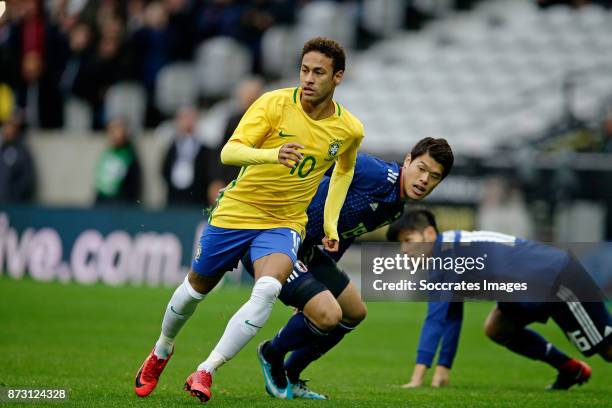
(521, 89)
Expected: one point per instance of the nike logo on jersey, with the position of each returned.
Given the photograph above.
(283, 134)
(251, 324)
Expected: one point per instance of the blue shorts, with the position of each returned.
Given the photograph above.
(585, 324)
(220, 249)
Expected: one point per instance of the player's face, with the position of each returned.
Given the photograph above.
(317, 78)
(415, 242)
(421, 176)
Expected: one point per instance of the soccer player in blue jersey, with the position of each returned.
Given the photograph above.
(329, 305)
(443, 321)
(587, 324)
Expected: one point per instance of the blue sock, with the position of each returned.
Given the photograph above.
(301, 358)
(530, 344)
(297, 333)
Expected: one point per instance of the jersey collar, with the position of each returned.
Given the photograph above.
(297, 95)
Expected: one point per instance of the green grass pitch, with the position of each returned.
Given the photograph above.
(92, 339)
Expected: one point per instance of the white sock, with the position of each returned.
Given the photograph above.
(180, 308)
(238, 332)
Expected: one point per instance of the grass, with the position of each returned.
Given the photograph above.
(92, 339)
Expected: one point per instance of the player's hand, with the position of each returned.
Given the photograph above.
(331, 245)
(289, 156)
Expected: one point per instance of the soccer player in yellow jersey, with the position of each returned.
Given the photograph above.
(285, 143)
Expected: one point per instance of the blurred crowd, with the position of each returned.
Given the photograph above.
(574, 3)
(53, 50)
(571, 133)
(191, 170)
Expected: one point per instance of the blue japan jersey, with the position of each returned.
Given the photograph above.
(373, 200)
(508, 258)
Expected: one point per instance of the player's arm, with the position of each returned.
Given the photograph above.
(338, 187)
(235, 153)
(450, 336)
(450, 342)
(432, 331)
(255, 126)
(431, 334)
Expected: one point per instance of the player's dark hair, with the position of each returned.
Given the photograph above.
(413, 220)
(438, 149)
(328, 47)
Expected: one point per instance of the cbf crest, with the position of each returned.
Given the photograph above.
(334, 148)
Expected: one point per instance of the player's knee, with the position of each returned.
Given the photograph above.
(493, 332)
(278, 266)
(198, 283)
(362, 312)
(199, 287)
(493, 326)
(328, 318)
(266, 289)
(201, 284)
(489, 331)
(356, 315)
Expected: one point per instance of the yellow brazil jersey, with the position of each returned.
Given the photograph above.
(266, 196)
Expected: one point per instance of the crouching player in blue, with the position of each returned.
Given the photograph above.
(329, 305)
(587, 324)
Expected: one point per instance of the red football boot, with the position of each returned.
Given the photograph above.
(198, 385)
(148, 375)
(570, 373)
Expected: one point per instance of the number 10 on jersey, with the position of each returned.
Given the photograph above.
(305, 167)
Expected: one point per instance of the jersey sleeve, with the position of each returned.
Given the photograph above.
(338, 187)
(252, 130)
(373, 174)
(450, 336)
(237, 154)
(443, 323)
